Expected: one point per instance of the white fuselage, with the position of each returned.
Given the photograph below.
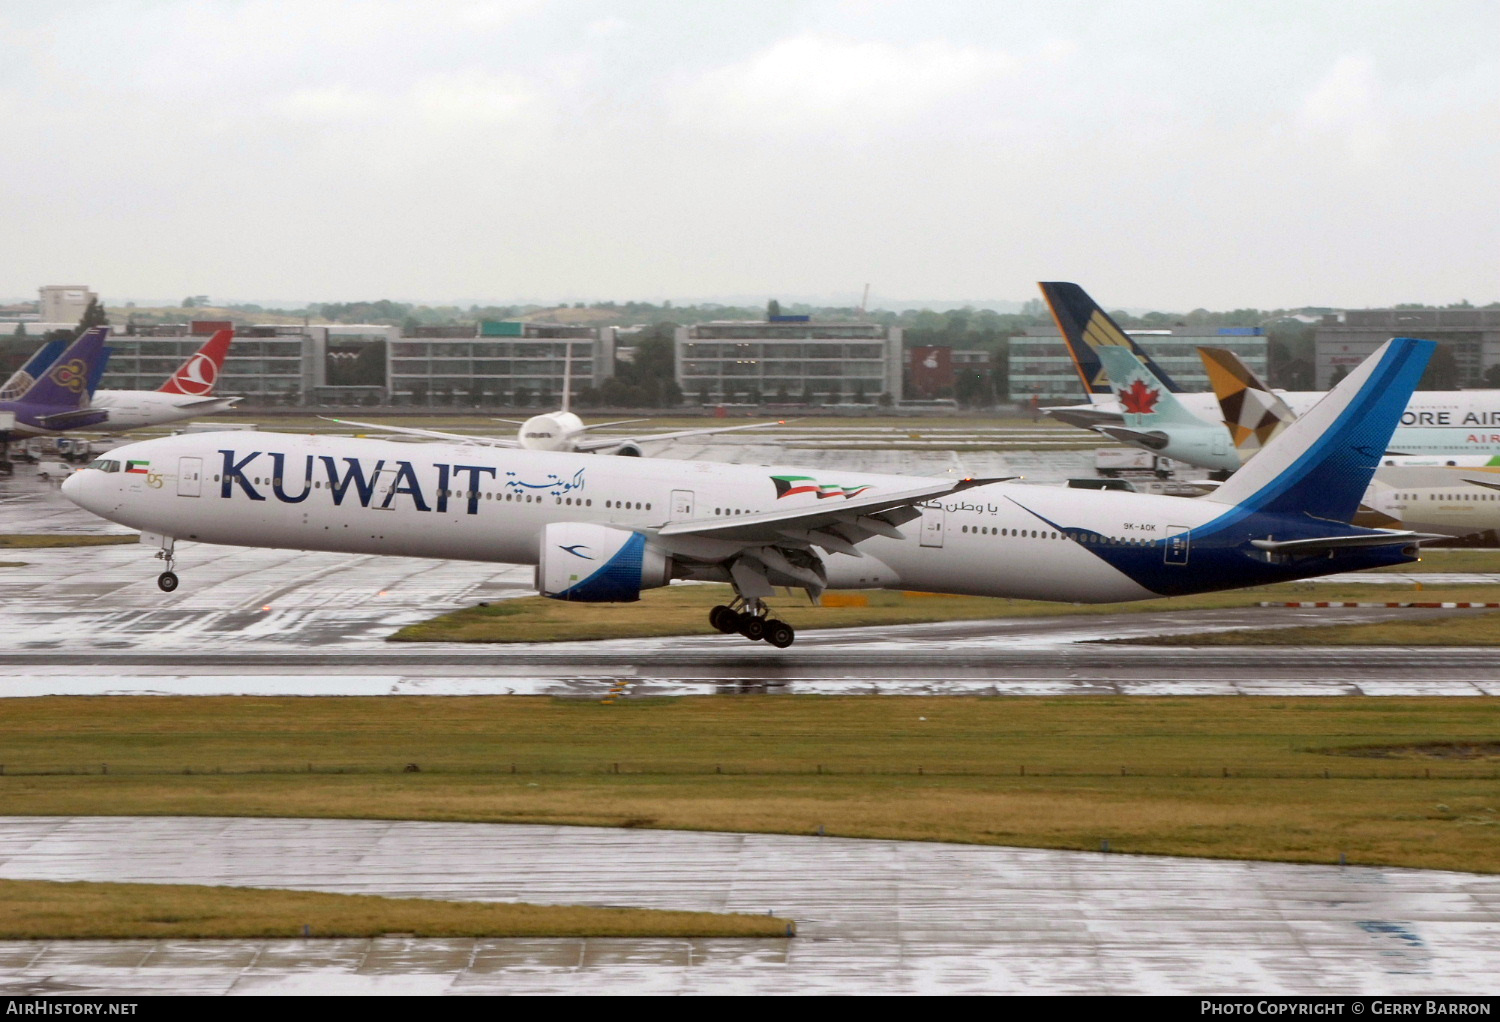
(135, 409)
(490, 504)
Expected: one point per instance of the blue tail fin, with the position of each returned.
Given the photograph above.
(1322, 463)
(1085, 327)
(65, 384)
(98, 372)
(35, 365)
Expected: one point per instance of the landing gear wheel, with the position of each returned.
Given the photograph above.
(752, 627)
(723, 619)
(779, 634)
(167, 580)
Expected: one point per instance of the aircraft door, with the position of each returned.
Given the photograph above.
(932, 524)
(189, 477)
(1176, 549)
(682, 505)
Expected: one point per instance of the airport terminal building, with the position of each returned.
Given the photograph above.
(1040, 365)
(788, 359)
(313, 366)
(1471, 336)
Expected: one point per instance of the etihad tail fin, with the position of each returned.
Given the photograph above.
(1321, 464)
(1254, 413)
(37, 364)
(196, 377)
(65, 385)
(1085, 327)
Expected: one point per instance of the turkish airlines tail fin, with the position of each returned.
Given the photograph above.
(196, 377)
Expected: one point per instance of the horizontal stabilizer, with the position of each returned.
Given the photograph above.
(74, 419)
(1312, 546)
(1485, 483)
(1152, 440)
(1084, 418)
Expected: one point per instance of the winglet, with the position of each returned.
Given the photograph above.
(1322, 464)
(1085, 327)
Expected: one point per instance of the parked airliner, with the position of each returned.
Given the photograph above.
(1086, 327)
(560, 430)
(604, 529)
(187, 394)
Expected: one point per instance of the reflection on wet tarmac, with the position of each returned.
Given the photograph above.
(878, 917)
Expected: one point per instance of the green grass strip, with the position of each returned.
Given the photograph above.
(1227, 777)
(45, 910)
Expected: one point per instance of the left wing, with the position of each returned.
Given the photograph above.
(431, 434)
(836, 527)
(768, 549)
(600, 443)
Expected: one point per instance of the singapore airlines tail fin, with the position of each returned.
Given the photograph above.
(1321, 464)
(196, 377)
(65, 385)
(1254, 413)
(1085, 328)
(37, 364)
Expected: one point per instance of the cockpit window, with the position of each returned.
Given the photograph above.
(104, 465)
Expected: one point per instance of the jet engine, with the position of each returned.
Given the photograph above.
(629, 449)
(598, 563)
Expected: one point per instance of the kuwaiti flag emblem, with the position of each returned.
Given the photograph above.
(788, 486)
(139, 467)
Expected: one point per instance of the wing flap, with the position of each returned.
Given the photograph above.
(769, 526)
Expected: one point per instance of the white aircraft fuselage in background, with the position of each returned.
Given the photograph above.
(136, 409)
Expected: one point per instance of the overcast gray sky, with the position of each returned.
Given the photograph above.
(1162, 153)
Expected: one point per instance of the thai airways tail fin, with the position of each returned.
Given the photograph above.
(196, 377)
(65, 385)
(1144, 398)
(1254, 413)
(96, 373)
(37, 364)
(1321, 464)
(1085, 327)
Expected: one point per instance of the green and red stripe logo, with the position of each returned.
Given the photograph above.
(790, 486)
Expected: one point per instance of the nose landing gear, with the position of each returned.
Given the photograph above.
(751, 618)
(167, 580)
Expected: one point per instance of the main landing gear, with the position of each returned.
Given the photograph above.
(167, 580)
(751, 618)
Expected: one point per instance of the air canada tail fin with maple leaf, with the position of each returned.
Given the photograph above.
(1144, 398)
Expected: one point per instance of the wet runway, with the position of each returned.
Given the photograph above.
(878, 917)
(251, 621)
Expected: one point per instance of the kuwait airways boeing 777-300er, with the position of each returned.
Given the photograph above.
(604, 529)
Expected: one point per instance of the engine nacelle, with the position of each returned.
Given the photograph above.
(598, 563)
(629, 449)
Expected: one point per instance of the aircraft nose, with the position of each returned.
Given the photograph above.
(76, 488)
